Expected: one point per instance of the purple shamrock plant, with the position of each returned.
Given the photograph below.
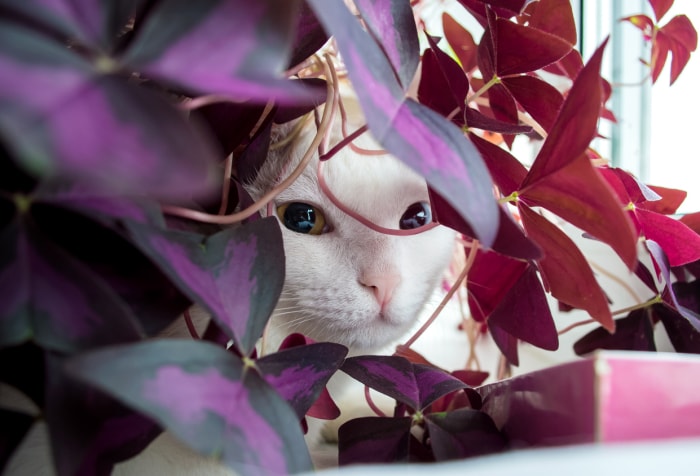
(126, 129)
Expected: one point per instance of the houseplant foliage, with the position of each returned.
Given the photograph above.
(117, 116)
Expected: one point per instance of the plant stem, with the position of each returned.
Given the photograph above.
(492, 82)
(458, 282)
(269, 196)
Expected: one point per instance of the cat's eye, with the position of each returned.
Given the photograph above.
(415, 216)
(302, 218)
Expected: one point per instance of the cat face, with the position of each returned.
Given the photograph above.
(346, 282)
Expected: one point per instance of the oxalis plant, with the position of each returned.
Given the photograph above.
(125, 128)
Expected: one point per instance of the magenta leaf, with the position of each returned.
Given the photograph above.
(55, 299)
(236, 274)
(252, 48)
(61, 118)
(299, 374)
(423, 139)
(634, 332)
(434, 383)
(90, 21)
(463, 433)
(222, 408)
(393, 26)
(374, 440)
(390, 375)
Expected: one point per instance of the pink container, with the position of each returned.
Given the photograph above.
(608, 397)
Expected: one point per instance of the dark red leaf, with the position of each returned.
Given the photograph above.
(634, 332)
(692, 220)
(510, 240)
(525, 314)
(682, 39)
(669, 296)
(540, 99)
(569, 66)
(660, 7)
(576, 124)
(443, 85)
(565, 271)
(324, 407)
(579, 195)
(669, 200)
(683, 336)
(680, 243)
(461, 42)
(374, 440)
(476, 120)
(507, 171)
(491, 277)
(555, 17)
(463, 433)
(520, 49)
(506, 343)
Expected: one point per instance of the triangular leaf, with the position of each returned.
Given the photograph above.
(393, 25)
(434, 383)
(520, 49)
(374, 440)
(463, 433)
(253, 44)
(418, 136)
(236, 274)
(525, 314)
(390, 375)
(565, 270)
(221, 408)
(634, 332)
(299, 374)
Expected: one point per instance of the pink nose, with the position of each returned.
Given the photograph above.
(382, 285)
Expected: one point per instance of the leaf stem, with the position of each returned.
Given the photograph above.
(455, 286)
(482, 90)
(269, 196)
(655, 300)
(373, 406)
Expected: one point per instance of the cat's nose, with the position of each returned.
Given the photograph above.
(382, 285)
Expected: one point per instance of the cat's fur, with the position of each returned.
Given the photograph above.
(354, 285)
(351, 285)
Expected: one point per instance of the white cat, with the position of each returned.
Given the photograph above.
(345, 282)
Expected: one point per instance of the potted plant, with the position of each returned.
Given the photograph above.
(121, 122)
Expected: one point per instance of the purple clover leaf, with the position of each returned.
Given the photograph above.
(236, 274)
(222, 408)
